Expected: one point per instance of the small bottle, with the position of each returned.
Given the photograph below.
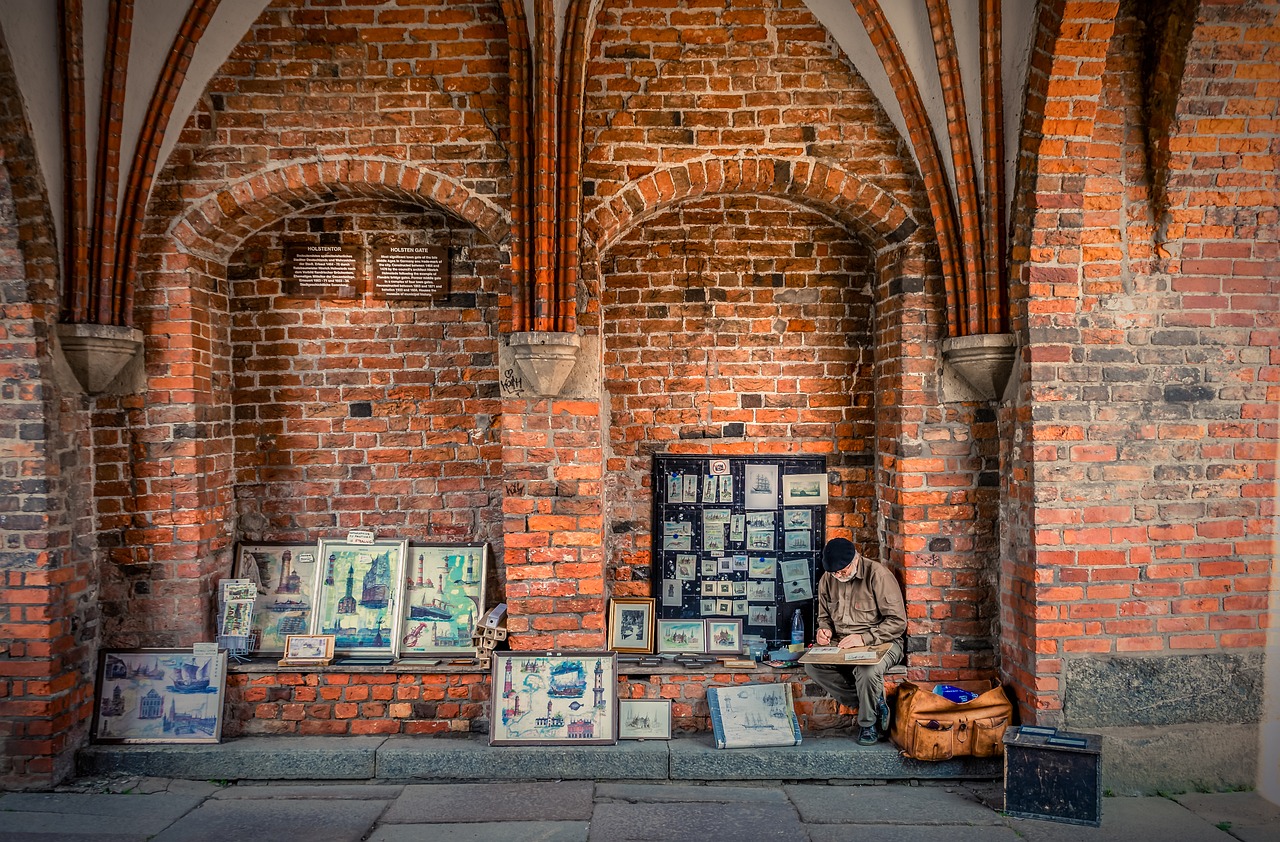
(797, 629)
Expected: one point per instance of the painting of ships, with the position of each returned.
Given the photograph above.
(762, 485)
(288, 605)
(436, 609)
(188, 678)
(568, 680)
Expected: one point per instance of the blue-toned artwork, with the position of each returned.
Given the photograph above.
(443, 599)
(357, 595)
(159, 696)
(288, 574)
(554, 698)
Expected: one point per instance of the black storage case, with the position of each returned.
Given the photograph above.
(1051, 774)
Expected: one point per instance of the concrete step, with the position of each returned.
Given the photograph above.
(400, 758)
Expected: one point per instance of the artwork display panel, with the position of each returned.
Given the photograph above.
(751, 552)
(554, 699)
(288, 575)
(644, 719)
(159, 696)
(443, 599)
(357, 591)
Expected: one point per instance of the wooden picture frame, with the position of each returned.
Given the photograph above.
(681, 637)
(724, 637)
(631, 624)
(443, 599)
(288, 575)
(158, 696)
(554, 698)
(358, 589)
(307, 650)
(644, 719)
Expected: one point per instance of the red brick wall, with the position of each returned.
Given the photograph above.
(48, 608)
(736, 325)
(1146, 468)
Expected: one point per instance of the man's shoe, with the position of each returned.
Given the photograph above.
(868, 736)
(885, 717)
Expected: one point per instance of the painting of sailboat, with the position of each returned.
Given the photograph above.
(159, 696)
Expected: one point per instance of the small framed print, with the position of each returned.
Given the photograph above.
(739, 588)
(798, 519)
(797, 541)
(762, 615)
(762, 487)
(681, 637)
(556, 698)
(706, 607)
(724, 637)
(708, 588)
(708, 567)
(631, 624)
(761, 591)
(724, 607)
(724, 588)
(307, 649)
(804, 490)
(686, 566)
(644, 719)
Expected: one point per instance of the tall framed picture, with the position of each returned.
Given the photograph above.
(554, 698)
(159, 696)
(443, 598)
(644, 719)
(357, 591)
(288, 575)
(631, 624)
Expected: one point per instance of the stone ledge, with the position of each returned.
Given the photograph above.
(686, 758)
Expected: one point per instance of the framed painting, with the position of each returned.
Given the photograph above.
(554, 698)
(631, 624)
(804, 490)
(357, 591)
(304, 649)
(681, 637)
(724, 637)
(644, 719)
(288, 576)
(158, 696)
(443, 598)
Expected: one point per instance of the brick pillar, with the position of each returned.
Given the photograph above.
(553, 524)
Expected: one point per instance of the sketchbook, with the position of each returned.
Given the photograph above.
(751, 715)
(836, 655)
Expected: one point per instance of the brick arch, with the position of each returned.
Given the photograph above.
(871, 213)
(215, 227)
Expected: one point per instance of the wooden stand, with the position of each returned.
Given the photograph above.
(485, 639)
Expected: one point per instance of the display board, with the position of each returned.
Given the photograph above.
(739, 537)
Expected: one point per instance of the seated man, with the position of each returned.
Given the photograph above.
(859, 604)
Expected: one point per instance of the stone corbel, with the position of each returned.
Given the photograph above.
(545, 359)
(983, 361)
(97, 353)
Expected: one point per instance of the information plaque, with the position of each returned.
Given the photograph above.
(409, 272)
(323, 271)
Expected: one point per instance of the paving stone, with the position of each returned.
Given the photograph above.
(146, 813)
(31, 826)
(7, 836)
(251, 758)
(277, 820)
(469, 759)
(680, 822)
(1239, 808)
(893, 804)
(911, 833)
(480, 832)
(1137, 819)
(377, 792)
(677, 792)
(510, 802)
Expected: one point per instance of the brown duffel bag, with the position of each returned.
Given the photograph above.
(927, 726)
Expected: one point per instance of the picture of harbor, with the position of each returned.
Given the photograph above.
(159, 695)
(356, 595)
(443, 598)
(283, 607)
(554, 699)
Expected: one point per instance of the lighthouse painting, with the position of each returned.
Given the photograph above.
(283, 606)
(357, 593)
(554, 698)
(443, 599)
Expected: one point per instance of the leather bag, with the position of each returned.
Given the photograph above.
(927, 726)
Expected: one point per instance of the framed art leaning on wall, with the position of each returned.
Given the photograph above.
(443, 599)
(554, 698)
(357, 591)
(159, 696)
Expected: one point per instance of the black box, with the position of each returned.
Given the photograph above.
(1051, 774)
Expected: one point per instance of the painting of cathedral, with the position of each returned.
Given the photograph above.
(357, 595)
(288, 576)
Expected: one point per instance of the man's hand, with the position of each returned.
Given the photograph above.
(822, 637)
(851, 641)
